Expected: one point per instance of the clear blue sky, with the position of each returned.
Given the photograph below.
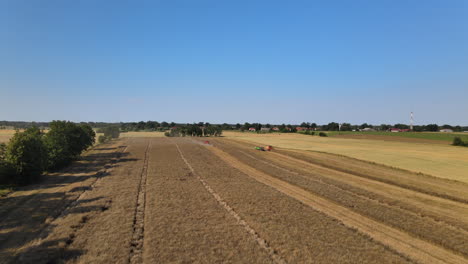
(234, 61)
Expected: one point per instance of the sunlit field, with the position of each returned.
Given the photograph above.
(441, 160)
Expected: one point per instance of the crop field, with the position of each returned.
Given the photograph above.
(166, 200)
(142, 134)
(417, 137)
(6, 134)
(439, 160)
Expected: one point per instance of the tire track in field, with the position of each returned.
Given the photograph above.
(414, 248)
(136, 243)
(260, 241)
(444, 207)
(383, 203)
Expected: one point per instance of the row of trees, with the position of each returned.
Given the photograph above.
(195, 130)
(30, 153)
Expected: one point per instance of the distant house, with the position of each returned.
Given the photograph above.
(265, 129)
(275, 129)
(368, 129)
(446, 130)
(301, 128)
(394, 130)
(252, 129)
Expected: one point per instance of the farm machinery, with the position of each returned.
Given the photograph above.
(266, 148)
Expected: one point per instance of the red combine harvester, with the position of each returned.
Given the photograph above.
(266, 148)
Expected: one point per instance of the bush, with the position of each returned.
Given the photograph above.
(26, 156)
(457, 141)
(111, 131)
(322, 134)
(102, 139)
(65, 141)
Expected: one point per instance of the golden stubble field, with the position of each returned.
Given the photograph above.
(6, 134)
(179, 200)
(438, 160)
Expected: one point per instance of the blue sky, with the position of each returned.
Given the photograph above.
(234, 61)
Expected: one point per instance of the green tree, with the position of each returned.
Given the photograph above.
(65, 141)
(346, 127)
(432, 127)
(333, 126)
(27, 155)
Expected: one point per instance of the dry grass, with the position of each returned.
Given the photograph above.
(439, 160)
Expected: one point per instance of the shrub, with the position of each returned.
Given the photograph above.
(322, 134)
(102, 139)
(457, 141)
(26, 155)
(111, 131)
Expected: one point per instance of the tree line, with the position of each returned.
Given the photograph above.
(30, 153)
(284, 128)
(195, 130)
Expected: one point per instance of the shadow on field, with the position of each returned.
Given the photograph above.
(29, 213)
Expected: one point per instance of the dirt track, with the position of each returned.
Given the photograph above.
(159, 200)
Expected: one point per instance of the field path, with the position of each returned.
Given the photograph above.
(403, 243)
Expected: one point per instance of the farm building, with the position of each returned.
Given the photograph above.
(265, 129)
(446, 130)
(252, 129)
(368, 129)
(275, 129)
(301, 128)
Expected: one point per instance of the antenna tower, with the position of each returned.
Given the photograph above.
(411, 121)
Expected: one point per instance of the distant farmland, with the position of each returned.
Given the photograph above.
(6, 134)
(439, 136)
(441, 160)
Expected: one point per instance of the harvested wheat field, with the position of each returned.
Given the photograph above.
(179, 200)
(439, 160)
